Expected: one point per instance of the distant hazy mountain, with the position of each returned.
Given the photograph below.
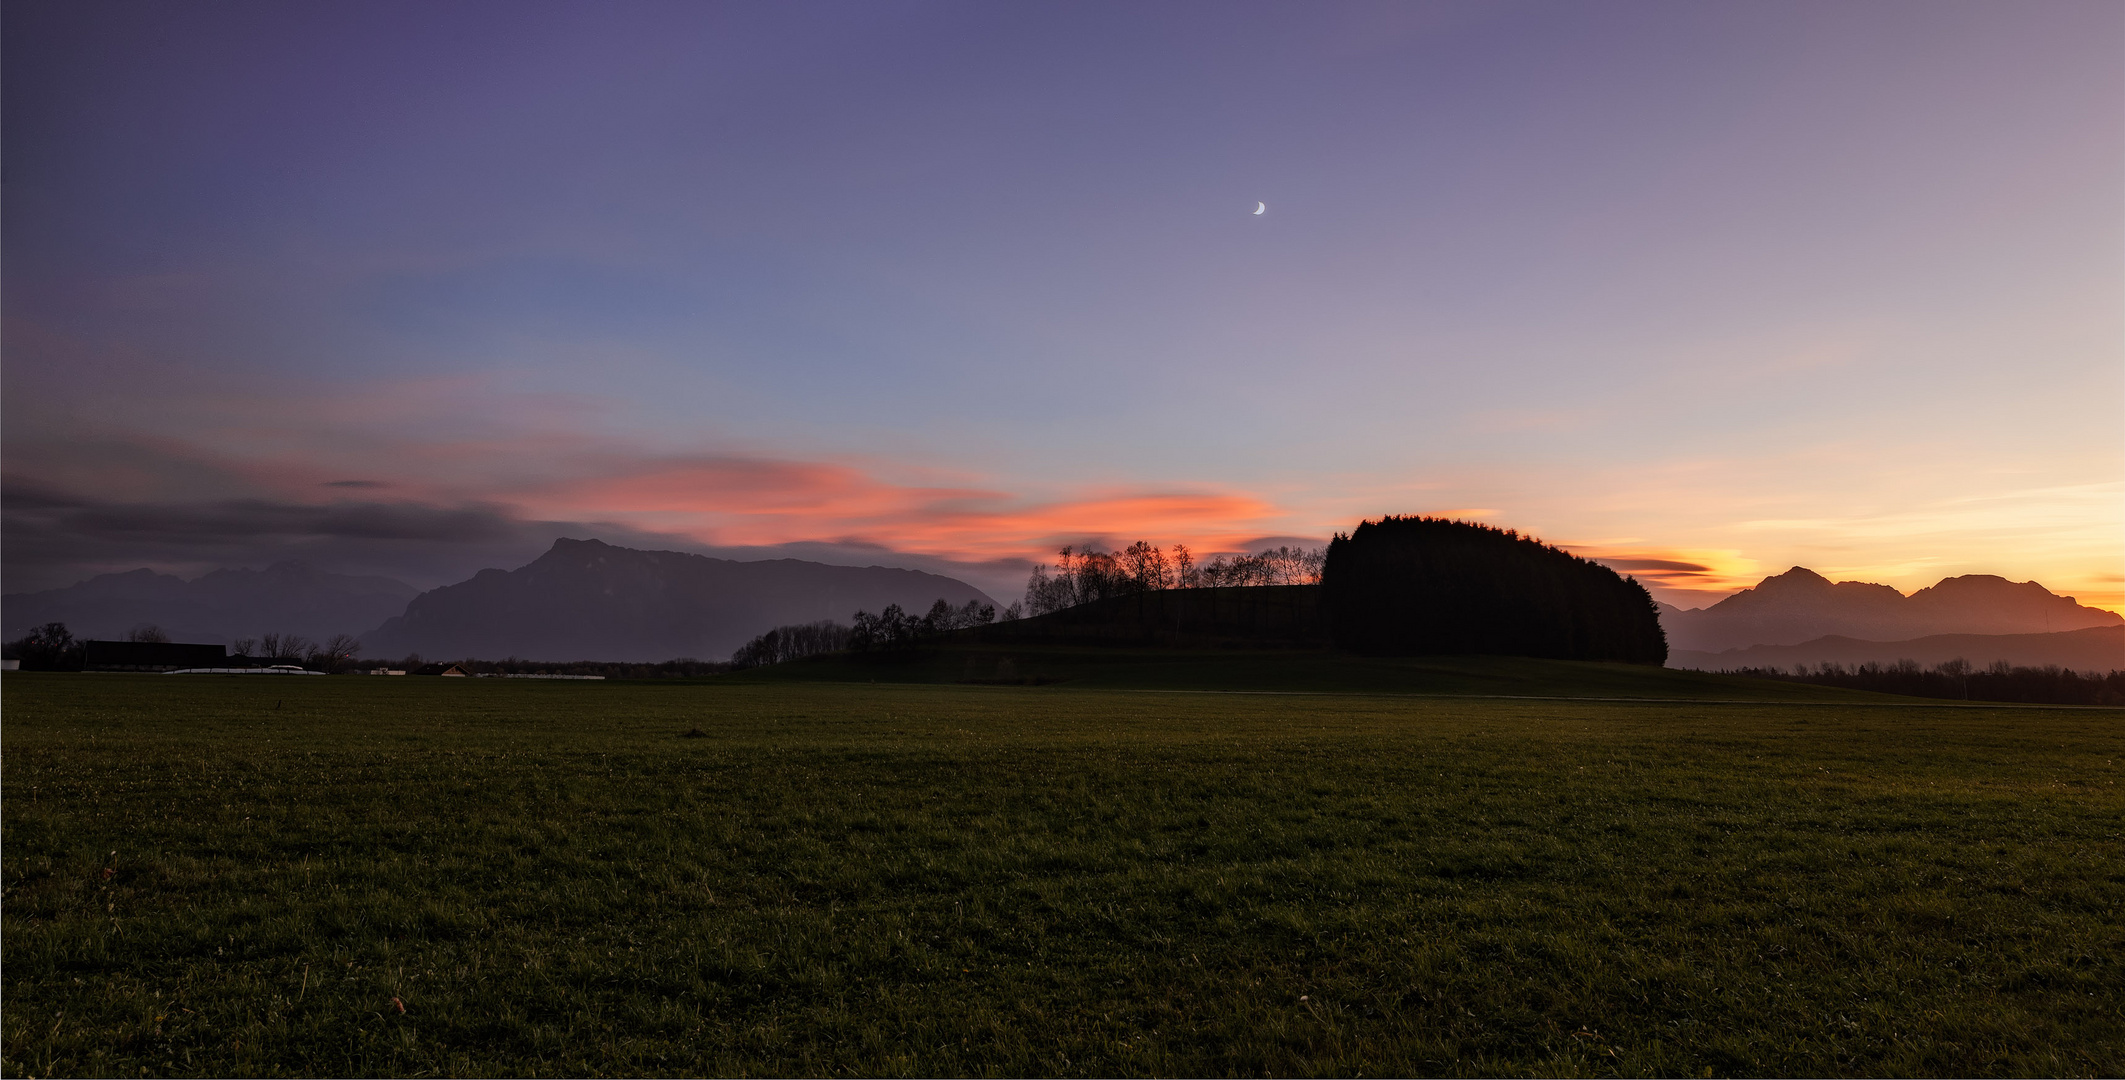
(285, 598)
(2100, 648)
(587, 600)
(1802, 605)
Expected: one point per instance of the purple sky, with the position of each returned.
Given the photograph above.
(413, 288)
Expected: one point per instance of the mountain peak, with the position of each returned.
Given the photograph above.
(1803, 587)
(1801, 580)
(142, 574)
(589, 600)
(1798, 579)
(1800, 605)
(2033, 605)
(570, 552)
(1985, 585)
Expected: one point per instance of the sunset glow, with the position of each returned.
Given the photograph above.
(1704, 292)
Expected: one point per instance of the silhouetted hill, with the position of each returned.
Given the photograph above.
(1424, 586)
(587, 600)
(2098, 649)
(285, 598)
(1801, 605)
(1254, 616)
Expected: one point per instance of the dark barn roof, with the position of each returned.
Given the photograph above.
(148, 655)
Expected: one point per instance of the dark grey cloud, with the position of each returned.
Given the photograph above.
(52, 537)
(259, 519)
(21, 495)
(1654, 564)
(1264, 543)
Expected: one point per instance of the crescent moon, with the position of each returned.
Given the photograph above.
(1260, 208)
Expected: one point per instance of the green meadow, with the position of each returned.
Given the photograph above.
(1055, 871)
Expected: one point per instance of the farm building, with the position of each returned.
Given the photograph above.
(148, 655)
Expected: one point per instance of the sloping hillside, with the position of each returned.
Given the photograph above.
(1258, 616)
(588, 600)
(2098, 649)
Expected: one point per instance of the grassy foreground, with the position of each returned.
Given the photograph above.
(211, 876)
(1287, 671)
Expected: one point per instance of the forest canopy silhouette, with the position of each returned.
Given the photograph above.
(1399, 586)
(1420, 586)
(1088, 575)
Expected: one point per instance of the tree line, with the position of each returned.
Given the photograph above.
(891, 629)
(1081, 576)
(50, 647)
(2001, 681)
(795, 642)
(894, 628)
(297, 649)
(1088, 575)
(53, 647)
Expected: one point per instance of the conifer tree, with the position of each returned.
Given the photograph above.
(1415, 586)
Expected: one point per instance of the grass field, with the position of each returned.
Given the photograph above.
(1310, 670)
(229, 876)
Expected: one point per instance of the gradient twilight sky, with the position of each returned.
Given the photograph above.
(1709, 290)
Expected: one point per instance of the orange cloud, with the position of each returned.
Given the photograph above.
(1686, 577)
(751, 501)
(178, 435)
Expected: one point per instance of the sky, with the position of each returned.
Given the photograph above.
(1702, 290)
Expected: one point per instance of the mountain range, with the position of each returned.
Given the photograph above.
(1801, 605)
(215, 609)
(588, 600)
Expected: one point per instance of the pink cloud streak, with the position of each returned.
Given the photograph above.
(753, 501)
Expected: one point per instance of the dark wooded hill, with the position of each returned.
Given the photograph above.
(588, 600)
(1423, 586)
(1801, 605)
(220, 607)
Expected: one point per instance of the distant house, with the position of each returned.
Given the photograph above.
(454, 672)
(148, 656)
